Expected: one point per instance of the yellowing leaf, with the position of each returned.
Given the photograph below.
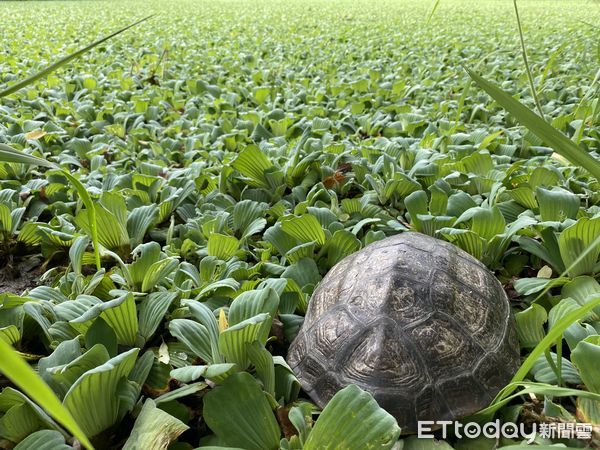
(36, 134)
(544, 272)
(163, 353)
(223, 324)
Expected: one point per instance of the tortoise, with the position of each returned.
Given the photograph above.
(422, 325)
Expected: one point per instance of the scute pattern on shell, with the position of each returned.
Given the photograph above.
(414, 320)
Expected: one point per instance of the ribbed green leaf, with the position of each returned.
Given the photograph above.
(306, 250)
(524, 196)
(528, 286)
(77, 251)
(252, 303)
(5, 219)
(581, 289)
(157, 273)
(575, 240)
(557, 204)
(214, 372)
(254, 227)
(287, 385)
(152, 311)
(281, 240)
(530, 325)
(112, 233)
(304, 272)
(154, 429)
(233, 340)
(252, 163)
(29, 234)
(10, 334)
(147, 254)
(206, 317)
(18, 422)
(467, 240)
(262, 360)
(560, 310)
(63, 354)
(238, 412)
(341, 244)
(416, 204)
(181, 392)
(227, 284)
(102, 333)
(305, 228)
(16, 215)
(246, 212)
(401, 185)
(551, 337)
(222, 246)
(119, 313)
(194, 335)
(138, 222)
(586, 356)
(67, 374)
(353, 420)
(588, 410)
(544, 373)
(44, 440)
(93, 398)
(123, 319)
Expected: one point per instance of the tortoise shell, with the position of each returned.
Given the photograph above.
(419, 323)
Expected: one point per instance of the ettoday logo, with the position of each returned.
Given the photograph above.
(507, 430)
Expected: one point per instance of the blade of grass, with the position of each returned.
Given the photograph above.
(550, 339)
(554, 335)
(534, 388)
(25, 378)
(538, 126)
(89, 205)
(467, 89)
(589, 24)
(527, 69)
(433, 9)
(588, 94)
(9, 154)
(52, 67)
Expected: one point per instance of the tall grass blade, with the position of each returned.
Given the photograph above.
(52, 67)
(553, 335)
(538, 126)
(10, 155)
(23, 376)
(433, 10)
(538, 105)
(534, 388)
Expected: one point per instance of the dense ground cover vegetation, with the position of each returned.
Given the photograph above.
(235, 151)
